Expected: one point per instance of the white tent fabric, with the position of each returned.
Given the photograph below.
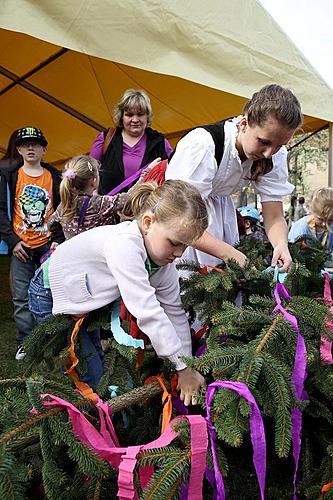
(199, 61)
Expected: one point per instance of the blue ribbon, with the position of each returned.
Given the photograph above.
(278, 277)
(118, 333)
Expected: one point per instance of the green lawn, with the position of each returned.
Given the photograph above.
(9, 367)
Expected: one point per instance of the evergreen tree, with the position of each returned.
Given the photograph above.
(41, 457)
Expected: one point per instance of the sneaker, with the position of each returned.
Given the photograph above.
(20, 353)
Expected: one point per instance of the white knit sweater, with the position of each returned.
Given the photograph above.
(94, 268)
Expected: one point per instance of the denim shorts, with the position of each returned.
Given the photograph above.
(40, 298)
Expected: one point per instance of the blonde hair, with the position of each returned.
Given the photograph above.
(322, 204)
(132, 100)
(77, 174)
(174, 203)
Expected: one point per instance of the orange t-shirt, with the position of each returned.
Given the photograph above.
(32, 207)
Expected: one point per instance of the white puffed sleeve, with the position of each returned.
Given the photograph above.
(194, 161)
(274, 185)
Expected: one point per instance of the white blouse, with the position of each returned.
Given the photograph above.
(194, 162)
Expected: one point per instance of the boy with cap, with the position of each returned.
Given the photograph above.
(34, 195)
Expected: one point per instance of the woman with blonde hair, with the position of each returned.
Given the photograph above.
(131, 145)
(319, 224)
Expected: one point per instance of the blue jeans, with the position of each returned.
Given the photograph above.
(21, 274)
(40, 304)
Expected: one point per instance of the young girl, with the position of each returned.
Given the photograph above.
(319, 225)
(253, 150)
(134, 260)
(81, 208)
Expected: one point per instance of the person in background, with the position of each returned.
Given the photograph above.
(132, 144)
(134, 260)
(319, 224)
(253, 229)
(300, 209)
(34, 195)
(81, 207)
(12, 157)
(253, 151)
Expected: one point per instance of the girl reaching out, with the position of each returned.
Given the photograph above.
(135, 260)
(253, 147)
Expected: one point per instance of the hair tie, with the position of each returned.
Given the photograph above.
(69, 173)
(154, 207)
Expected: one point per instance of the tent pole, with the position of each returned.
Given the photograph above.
(330, 155)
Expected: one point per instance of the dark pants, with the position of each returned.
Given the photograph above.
(40, 304)
(21, 274)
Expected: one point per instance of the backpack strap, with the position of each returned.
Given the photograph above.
(216, 130)
(107, 139)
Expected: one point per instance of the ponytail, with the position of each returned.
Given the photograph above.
(78, 172)
(174, 203)
(260, 168)
(137, 200)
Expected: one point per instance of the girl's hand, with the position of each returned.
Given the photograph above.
(282, 256)
(148, 169)
(189, 383)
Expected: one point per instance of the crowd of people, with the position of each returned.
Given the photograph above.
(81, 239)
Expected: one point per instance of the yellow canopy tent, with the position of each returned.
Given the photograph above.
(63, 65)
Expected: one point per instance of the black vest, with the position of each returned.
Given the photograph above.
(112, 170)
(216, 130)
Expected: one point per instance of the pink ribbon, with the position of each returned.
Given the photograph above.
(256, 429)
(105, 444)
(326, 345)
(298, 376)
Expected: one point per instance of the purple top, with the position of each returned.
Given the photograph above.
(132, 155)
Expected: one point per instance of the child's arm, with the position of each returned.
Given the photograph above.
(219, 249)
(55, 217)
(155, 302)
(168, 293)
(277, 231)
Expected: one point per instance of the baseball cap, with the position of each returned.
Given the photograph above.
(30, 134)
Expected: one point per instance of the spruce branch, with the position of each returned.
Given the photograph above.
(120, 403)
(268, 334)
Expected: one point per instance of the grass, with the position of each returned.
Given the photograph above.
(9, 367)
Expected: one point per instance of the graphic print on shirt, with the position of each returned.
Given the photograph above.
(34, 202)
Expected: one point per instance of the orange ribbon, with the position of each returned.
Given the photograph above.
(204, 270)
(325, 488)
(72, 361)
(166, 399)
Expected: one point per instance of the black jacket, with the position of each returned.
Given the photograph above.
(112, 171)
(9, 178)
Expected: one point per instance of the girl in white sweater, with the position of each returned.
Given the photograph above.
(134, 260)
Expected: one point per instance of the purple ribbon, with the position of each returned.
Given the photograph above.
(127, 181)
(256, 430)
(298, 376)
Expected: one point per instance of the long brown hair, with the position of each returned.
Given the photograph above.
(274, 101)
